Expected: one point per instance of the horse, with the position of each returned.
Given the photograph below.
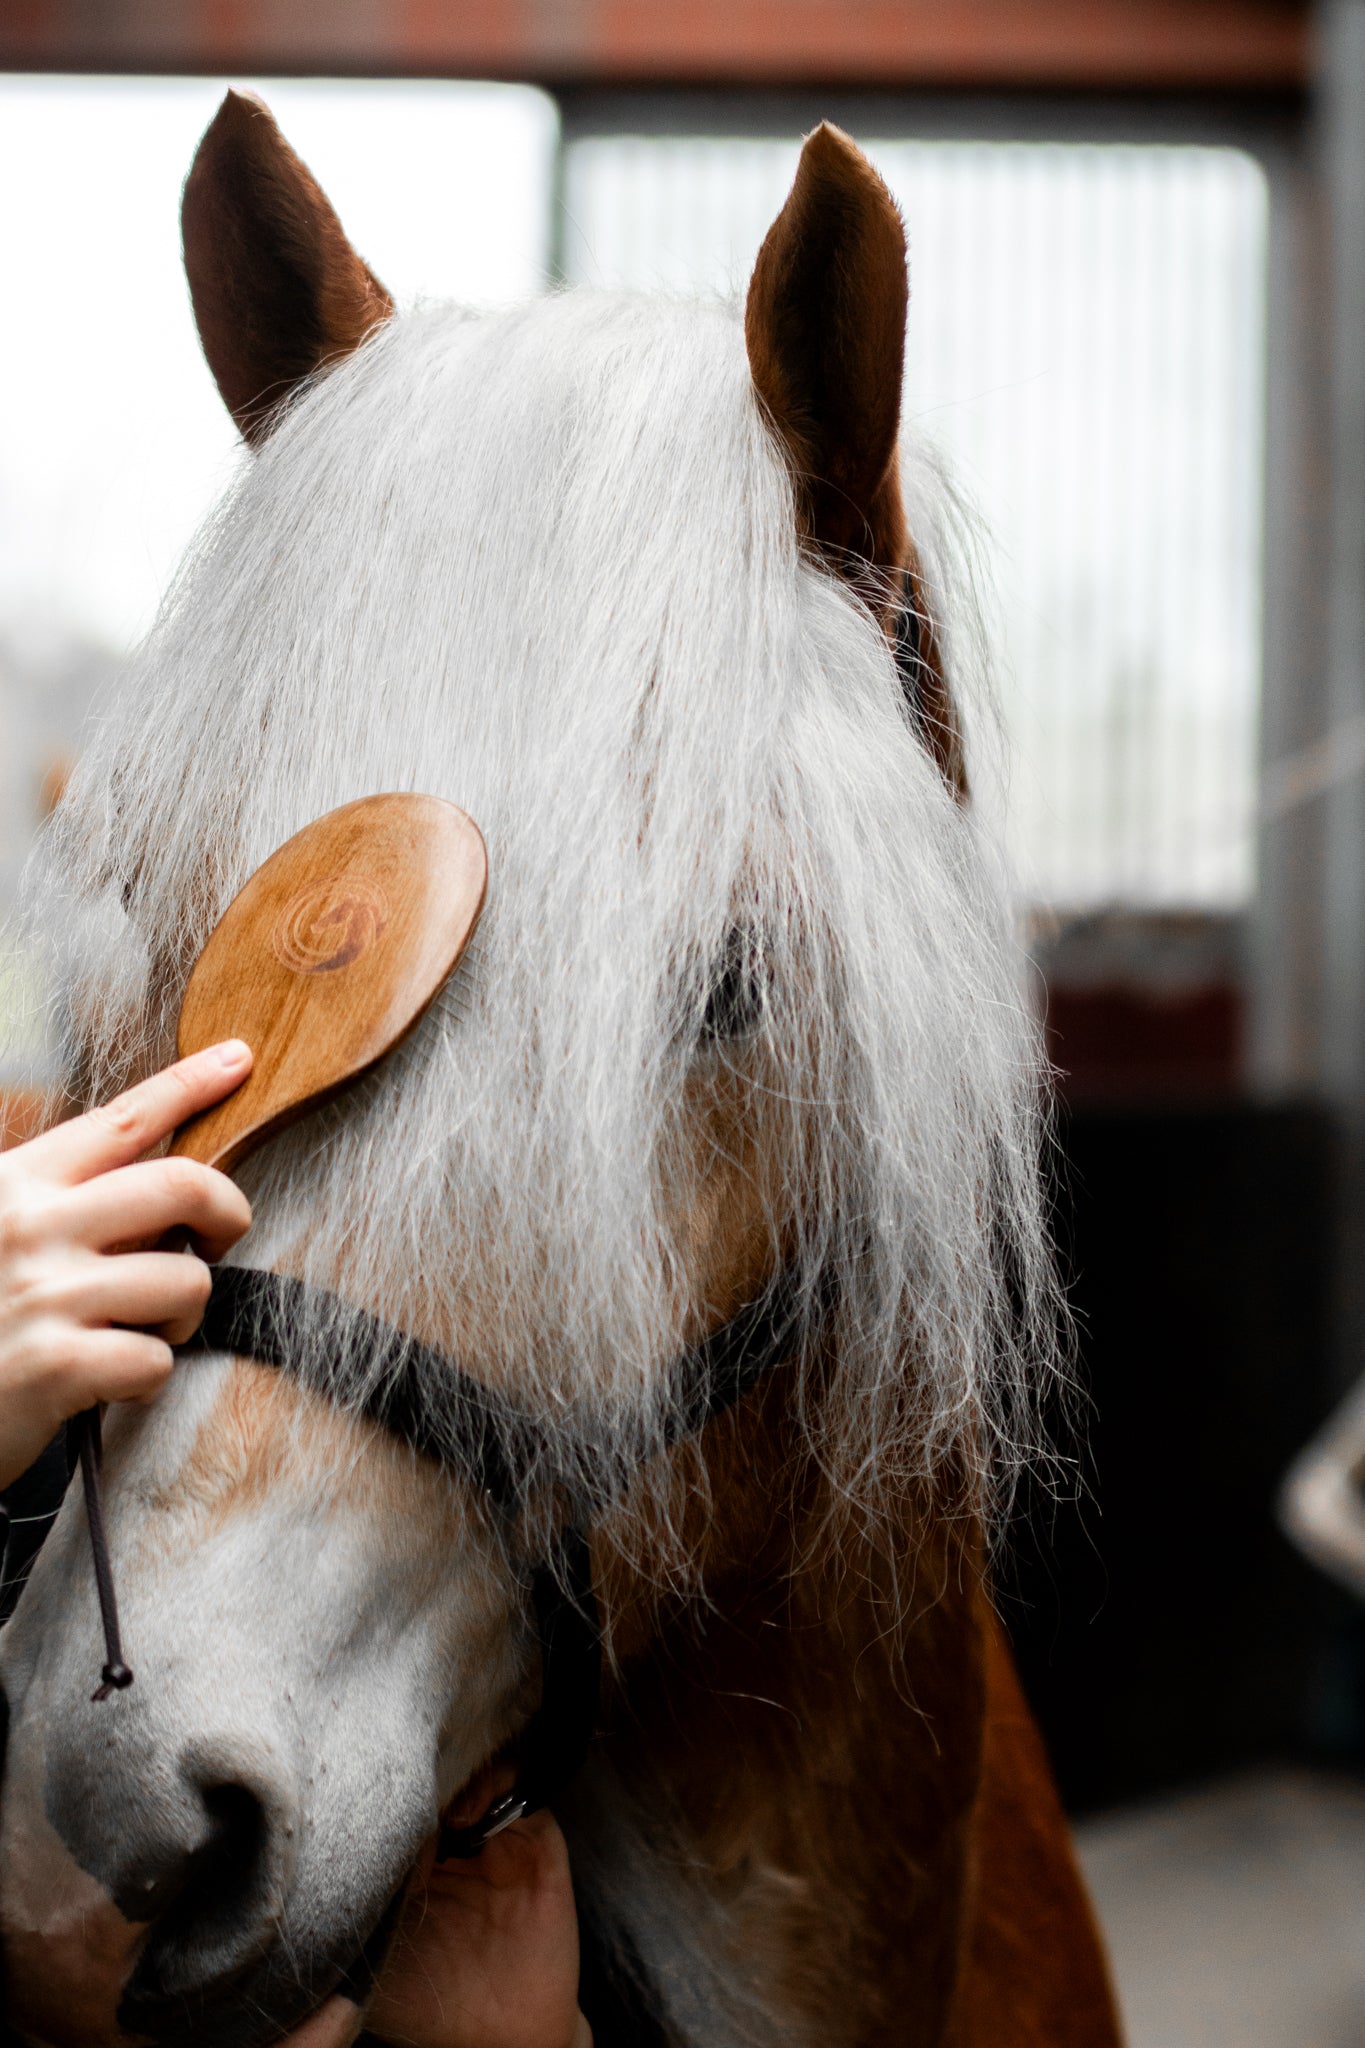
(661, 594)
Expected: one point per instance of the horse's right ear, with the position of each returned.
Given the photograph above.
(278, 290)
(824, 324)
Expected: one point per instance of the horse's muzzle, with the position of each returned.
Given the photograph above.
(167, 1921)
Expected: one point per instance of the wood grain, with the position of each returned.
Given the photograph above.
(328, 957)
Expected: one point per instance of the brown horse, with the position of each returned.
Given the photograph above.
(634, 583)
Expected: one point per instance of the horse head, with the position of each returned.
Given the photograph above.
(641, 586)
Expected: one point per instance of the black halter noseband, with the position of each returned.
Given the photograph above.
(280, 1322)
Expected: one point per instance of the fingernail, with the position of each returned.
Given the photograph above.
(234, 1052)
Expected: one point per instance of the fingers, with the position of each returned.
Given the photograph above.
(133, 1122)
(57, 1368)
(69, 1201)
(528, 1856)
(487, 1949)
(111, 1365)
(138, 1204)
(62, 1370)
(334, 2025)
(165, 1292)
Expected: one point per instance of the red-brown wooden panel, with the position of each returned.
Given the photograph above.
(1125, 1045)
(1177, 44)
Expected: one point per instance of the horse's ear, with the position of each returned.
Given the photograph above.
(278, 290)
(825, 328)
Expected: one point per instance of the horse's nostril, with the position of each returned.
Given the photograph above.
(216, 1905)
(222, 1875)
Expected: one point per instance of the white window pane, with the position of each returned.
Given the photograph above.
(114, 443)
(1086, 341)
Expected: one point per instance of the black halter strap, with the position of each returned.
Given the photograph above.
(283, 1322)
(276, 1320)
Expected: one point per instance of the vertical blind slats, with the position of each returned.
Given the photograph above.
(1087, 344)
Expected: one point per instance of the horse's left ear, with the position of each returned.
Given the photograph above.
(824, 324)
(278, 290)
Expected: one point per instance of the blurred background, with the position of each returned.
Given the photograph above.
(1137, 235)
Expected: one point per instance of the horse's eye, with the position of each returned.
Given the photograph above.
(738, 994)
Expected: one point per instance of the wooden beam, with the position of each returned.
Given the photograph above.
(1115, 45)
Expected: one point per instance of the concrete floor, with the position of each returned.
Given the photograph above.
(1236, 1915)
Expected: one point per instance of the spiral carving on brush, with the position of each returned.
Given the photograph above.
(329, 924)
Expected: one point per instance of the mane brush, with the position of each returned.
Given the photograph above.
(327, 958)
(323, 962)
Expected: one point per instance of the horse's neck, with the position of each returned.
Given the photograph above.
(785, 1754)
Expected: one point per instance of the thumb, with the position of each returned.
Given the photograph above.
(334, 2025)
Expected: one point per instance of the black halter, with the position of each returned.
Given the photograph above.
(278, 1321)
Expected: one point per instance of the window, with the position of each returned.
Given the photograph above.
(1087, 345)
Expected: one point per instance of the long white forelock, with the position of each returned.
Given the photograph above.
(544, 563)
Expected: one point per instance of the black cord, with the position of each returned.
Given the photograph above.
(116, 1676)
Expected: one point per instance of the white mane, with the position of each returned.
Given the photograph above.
(544, 563)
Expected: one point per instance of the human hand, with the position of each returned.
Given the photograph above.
(485, 1956)
(87, 1312)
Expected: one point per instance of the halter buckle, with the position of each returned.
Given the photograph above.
(460, 1844)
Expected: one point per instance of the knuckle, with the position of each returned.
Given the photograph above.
(52, 1351)
(122, 1117)
(148, 1372)
(154, 1360)
(18, 1231)
(73, 1380)
(183, 1181)
(31, 1286)
(178, 1084)
(198, 1284)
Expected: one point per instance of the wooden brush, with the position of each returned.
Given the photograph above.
(327, 958)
